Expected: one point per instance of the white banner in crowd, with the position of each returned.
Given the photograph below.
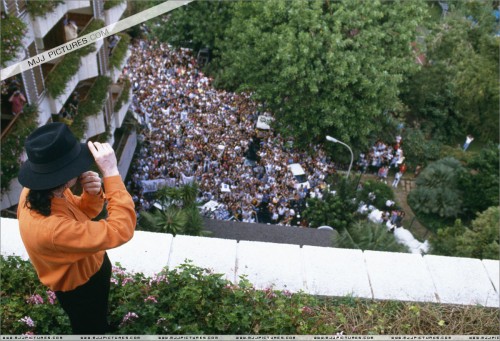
(92, 37)
(154, 185)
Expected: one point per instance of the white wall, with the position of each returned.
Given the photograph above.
(316, 270)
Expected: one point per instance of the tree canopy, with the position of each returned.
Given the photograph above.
(321, 67)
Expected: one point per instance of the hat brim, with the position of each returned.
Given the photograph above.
(42, 181)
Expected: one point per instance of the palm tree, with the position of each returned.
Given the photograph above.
(366, 235)
(178, 214)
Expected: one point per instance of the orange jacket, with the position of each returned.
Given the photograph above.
(67, 248)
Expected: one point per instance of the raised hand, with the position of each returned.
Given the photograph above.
(105, 158)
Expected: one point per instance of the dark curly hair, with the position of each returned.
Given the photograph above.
(40, 200)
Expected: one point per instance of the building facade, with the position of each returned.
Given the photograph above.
(84, 88)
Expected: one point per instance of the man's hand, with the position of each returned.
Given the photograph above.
(105, 158)
(91, 182)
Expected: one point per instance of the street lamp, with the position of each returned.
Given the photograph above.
(334, 140)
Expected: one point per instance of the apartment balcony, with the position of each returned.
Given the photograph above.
(44, 24)
(95, 125)
(113, 14)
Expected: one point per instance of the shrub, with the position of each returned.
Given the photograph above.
(120, 51)
(479, 241)
(382, 192)
(13, 29)
(332, 210)
(41, 8)
(91, 105)
(112, 3)
(191, 300)
(124, 95)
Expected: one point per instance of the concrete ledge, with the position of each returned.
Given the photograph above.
(146, 252)
(335, 272)
(461, 281)
(271, 265)
(399, 276)
(493, 271)
(218, 255)
(313, 269)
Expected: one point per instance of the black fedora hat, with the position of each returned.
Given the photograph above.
(55, 156)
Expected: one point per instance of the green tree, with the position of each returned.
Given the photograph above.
(381, 191)
(331, 210)
(481, 240)
(480, 184)
(321, 67)
(438, 194)
(196, 25)
(457, 92)
(366, 235)
(444, 241)
(178, 214)
(419, 150)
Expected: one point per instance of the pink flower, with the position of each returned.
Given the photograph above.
(129, 317)
(114, 280)
(127, 280)
(28, 321)
(151, 299)
(51, 296)
(307, 310)
(35, 299)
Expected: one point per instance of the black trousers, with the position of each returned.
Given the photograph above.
(87, 305)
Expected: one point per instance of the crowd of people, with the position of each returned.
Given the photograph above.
(382, 158)
(191, 131)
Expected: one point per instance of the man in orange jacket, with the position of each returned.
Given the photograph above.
(67, 248)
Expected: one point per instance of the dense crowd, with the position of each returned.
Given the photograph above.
(194, 132)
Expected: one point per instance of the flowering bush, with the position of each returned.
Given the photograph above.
(13, 29)
(191, 300)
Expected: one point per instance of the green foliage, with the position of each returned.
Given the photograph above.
(382, 193)
(108, 4)
(190, 300)
(444, 241)
(366, 235)
(438, 193)
(119, 51)
(124, 95)
(321, 67)
(418, 150)
(24, 296)
(199, 24)
(13, 144)
(331, 210)
(457, 93)
(91, 105)
(63, 71)
(37, 8)
(13, 29)
(481, 240)
(480, 184)
(179, 213)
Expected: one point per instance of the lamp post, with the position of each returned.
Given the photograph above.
(334, 140)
